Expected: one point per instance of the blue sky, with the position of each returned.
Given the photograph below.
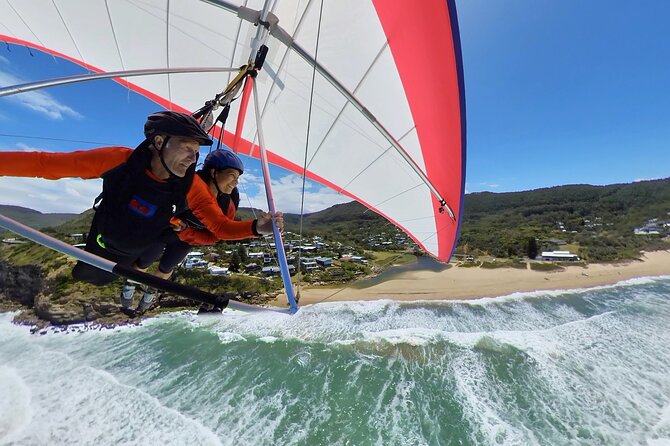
(565, 92)
(557, 92)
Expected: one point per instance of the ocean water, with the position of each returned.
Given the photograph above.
(581, 367)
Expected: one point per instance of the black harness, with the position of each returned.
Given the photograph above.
(133, 211)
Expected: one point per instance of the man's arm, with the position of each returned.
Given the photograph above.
(55, 165)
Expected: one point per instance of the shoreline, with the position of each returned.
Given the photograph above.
(476, 283)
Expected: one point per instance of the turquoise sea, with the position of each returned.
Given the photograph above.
(580, 367)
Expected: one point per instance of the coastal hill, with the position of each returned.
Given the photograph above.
(598, 220)
(34, 219)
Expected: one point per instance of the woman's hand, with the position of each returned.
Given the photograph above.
(264, 222)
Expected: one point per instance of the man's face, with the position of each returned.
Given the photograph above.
(226, 179)
(179, 154)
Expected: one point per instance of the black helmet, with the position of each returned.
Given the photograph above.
(175, 124)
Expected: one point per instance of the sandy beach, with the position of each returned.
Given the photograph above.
(473, 283)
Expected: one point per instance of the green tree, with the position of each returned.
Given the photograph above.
(531, 247)
(242, 253)
(234, 262)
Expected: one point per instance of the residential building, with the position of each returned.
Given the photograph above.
(324, 261)
(559, 256)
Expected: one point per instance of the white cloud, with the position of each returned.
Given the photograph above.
(76, 195)
(38, 101)
(287, 192)
(26, 148)
(66, 195)
(637, 180)
(480, 187)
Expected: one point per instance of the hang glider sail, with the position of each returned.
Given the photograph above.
(383, 78)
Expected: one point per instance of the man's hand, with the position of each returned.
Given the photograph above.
(264, 223)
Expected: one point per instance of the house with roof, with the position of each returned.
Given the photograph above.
(324, 261)
(308, 264)
(251, 267)
(218, 270)
(271, 271)
(559, 256)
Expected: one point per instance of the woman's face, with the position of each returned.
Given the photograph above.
(226, 179)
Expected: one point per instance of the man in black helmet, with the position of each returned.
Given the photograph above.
(141, 195)
(142, 188)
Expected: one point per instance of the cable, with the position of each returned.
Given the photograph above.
(9, 135)
(167, 49)
(304, 166)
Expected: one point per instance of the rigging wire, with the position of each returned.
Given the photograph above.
(167, 49)
(284, 58)
(27, 26)
(118, 48)
(304, 166)
(67, 28)
(10, 135)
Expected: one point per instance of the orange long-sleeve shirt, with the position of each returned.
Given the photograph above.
(219, 225)
(85, 164)
(93, 163)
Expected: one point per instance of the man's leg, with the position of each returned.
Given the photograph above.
(87, 273)
(172, 254)
(149, 256)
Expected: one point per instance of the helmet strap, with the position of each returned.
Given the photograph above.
(216, 184)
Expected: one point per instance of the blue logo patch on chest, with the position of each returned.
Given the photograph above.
(142, 207)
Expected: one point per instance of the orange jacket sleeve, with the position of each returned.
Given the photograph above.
(219, 225)
(55, 165)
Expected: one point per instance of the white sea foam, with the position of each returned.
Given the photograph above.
(389, 321)
(47, 397)
(481, 407)
(664, 419)
(269, 339)
(661, 430)
(415, 337)
(15, 405)
(658, 442)
(92, 406)
(592, 369)
(228, 338)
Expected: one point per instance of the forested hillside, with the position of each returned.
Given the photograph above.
(597, 222)
(599, 219)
